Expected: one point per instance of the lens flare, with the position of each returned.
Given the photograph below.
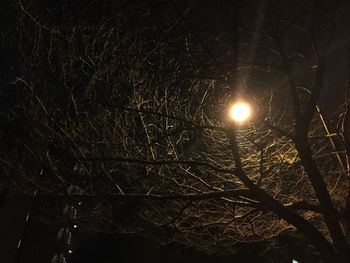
(240, 112)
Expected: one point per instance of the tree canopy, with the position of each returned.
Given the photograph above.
(123, 106)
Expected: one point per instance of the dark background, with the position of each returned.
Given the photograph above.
(39, 239)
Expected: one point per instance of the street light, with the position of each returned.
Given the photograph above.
(240, 112)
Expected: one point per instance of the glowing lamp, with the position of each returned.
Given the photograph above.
(240, 112)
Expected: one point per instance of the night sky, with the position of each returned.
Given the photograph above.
(20, 220)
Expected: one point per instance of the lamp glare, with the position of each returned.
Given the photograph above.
(240, 112)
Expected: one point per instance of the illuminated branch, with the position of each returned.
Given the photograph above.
(133, 197)
(159, 163)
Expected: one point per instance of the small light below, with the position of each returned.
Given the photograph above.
(70, 251)
(240, 112)
(295, 261)
(75, 226)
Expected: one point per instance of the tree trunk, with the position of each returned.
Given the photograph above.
(327, 207)
(307, 229)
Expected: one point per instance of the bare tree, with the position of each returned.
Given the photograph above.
(129, 107)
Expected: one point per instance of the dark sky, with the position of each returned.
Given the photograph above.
(39, 243)
(39, 240)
